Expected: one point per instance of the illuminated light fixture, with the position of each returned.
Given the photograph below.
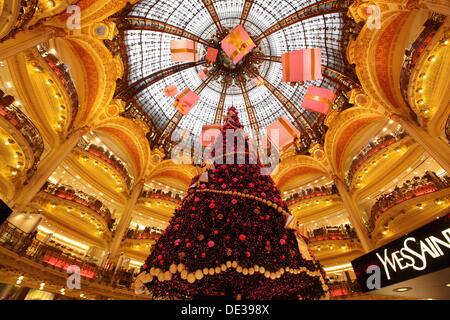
(438, 202)
(49, 81)
(419, 90)
(422, 76)
(339, 267)
(63, 238)
(9, 85)
(432, 58)
(403, 289)
(446, 42)
(9, 141)
(82, 295)
(38, 68)
(421, 102)
(419, 206)
(391, 121)
(447, 285)
(384, 129)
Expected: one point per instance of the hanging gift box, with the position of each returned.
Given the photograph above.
(203, 74)
(282, 133)
(258, 81)
(302, 65)
(209, 134)
(211, 55)
(185, 101)
(170, 91)
(183, 50)
(318, 99)
(237, 44)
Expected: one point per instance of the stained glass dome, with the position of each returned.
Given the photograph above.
(276, 26)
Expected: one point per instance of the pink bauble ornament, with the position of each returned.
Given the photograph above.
(211, 244)
(282, 242)
(233, 201)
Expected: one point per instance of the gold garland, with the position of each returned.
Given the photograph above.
(245, 195)
(191, 277)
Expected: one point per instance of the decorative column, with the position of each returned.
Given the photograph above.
(125, 220)
(435, 147)
(354, 214)
(45, 169)
(26, 40)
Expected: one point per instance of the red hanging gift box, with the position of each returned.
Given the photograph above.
(211, 55)
(282, 133)
(318, 99)
(302, 65)
(237, 44)
(185, 101)
(170, 91)
(183, 50)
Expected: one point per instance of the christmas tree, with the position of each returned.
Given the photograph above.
(228, 237)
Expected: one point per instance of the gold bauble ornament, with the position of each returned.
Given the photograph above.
(234, 264)
(262, 270)
(251, 271)
(173, 268)
(180, 267)
(191, 278)
(211, 271)
(184, 274)
(205, 271)
(161, 277)
(267, 274)
(239, 269)
(256, 268)
(199, 274)
(167, 276)
(217, 270)
(228, 264)
(245, 271)
(223, 267)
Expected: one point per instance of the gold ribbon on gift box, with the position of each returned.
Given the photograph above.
(235, 39)
(317, 98)
(185, 50)
(177, 103)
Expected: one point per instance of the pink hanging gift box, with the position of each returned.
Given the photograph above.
(185, 101)
(209, 134)
(183, 50)
(318, 99)
(203, 74)
(170, 91)
(302, 65)
(211, 55)
(282, 133)
(237, 44)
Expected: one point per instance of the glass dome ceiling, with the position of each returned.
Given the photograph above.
(277, 26)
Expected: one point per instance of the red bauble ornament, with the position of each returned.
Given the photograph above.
(267, 217)
(224, 186)
(242, 237)
(282, 242)
(248, 254)
(233, 201)
(144, 266)
(188, 245)
(203, 186)
(203, 254)
(211, 244)
(251, 185)
(212, 205)
(160, 257)
(216, 232)
(196, 199)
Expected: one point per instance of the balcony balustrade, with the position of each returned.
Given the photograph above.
(26, 245)
(26, 12)
(80, 198)
(416, 187)
(311, 193)
(369, 151)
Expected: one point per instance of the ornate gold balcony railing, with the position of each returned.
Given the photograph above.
(414, 188)
(26, 245)
(369, 151)
(25, 126)
(161, 195)
(110, 159)
(62, 73)
(311, 193)
(80, 198)
(152, 234)
(26, 13)
(413, 54)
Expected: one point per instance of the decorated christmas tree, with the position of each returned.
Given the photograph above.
(229, 237)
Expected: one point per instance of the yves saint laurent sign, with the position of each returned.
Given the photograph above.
(422, 251)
